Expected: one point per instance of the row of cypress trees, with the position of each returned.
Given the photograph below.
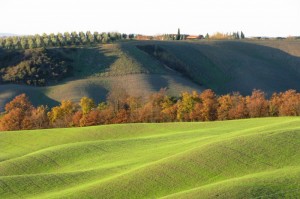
(59, 39)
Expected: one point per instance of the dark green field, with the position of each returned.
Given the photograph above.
(224, 66)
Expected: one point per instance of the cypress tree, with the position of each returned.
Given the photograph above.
(237, 35)
(242, 35)
(207, 36)
(178, 34)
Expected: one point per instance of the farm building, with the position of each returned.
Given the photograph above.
(194, 37)
(144, 37)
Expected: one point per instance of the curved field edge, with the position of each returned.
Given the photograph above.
(147, 160)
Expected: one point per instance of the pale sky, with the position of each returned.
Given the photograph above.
(253, 17)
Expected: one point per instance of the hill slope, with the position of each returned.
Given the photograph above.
(255, 158)
(143, 67)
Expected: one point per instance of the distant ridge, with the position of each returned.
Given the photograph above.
(144, 67)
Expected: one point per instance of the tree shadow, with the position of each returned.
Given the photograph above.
(35, 94)
(244, 65)
(9, 57)
(89, 61)
(257, 66)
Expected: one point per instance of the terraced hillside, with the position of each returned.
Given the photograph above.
(143, 67)
(254, 158)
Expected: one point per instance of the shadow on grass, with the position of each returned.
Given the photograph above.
(35, 94)
(88, 61)
(257, 66)
(230, 66)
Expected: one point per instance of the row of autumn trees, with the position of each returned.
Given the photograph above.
(122, 108)
(59, 39)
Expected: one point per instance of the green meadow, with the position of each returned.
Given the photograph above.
(251, 158)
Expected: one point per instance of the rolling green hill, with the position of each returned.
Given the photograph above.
(143, 67)
(253, 158)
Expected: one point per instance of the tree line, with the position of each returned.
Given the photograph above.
(85, 38)
(219, 35)
(121, 108)
(59, 39)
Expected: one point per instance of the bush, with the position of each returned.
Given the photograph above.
(34, 67)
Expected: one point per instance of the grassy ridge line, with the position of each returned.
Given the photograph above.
(57, 149)
(150, 180)
(235, 187)
(63, 152)
(130, 167)
(47, 154)
(85, 187)
(48, 137)
(24, 142)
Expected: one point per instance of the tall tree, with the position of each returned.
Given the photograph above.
(61, 39)
(290, 105)
(238, 109)
(237, 35)
(124, 36)
(36, 119)
(116, 98)
(24, 42)
(61, 116)
(53, 39)
(257, 104)
(46, 40)
(209, 101)
(82, 37)
(16, 42)
(131, 36)
(225, 105)
(31, 42)
(105, 38)
(86, 104)
(90, 37)
(242, 35)
(178, 34)
(96, 35)
(68, 39)
(207, 36)
(16, 111)
(186, 105)
(38, 41)
(2, 42)
(9, 43)
(75, 39)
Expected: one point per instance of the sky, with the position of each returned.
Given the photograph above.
(254, 17)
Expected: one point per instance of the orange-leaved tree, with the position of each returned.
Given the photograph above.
(290, 105)
(257, 104)
(61, 116)
(209, 105)
(238, 108)
(15, 112)
(275, 103)
(186, 104)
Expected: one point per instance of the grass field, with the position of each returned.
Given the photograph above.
(224, 66)
(253, 158)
